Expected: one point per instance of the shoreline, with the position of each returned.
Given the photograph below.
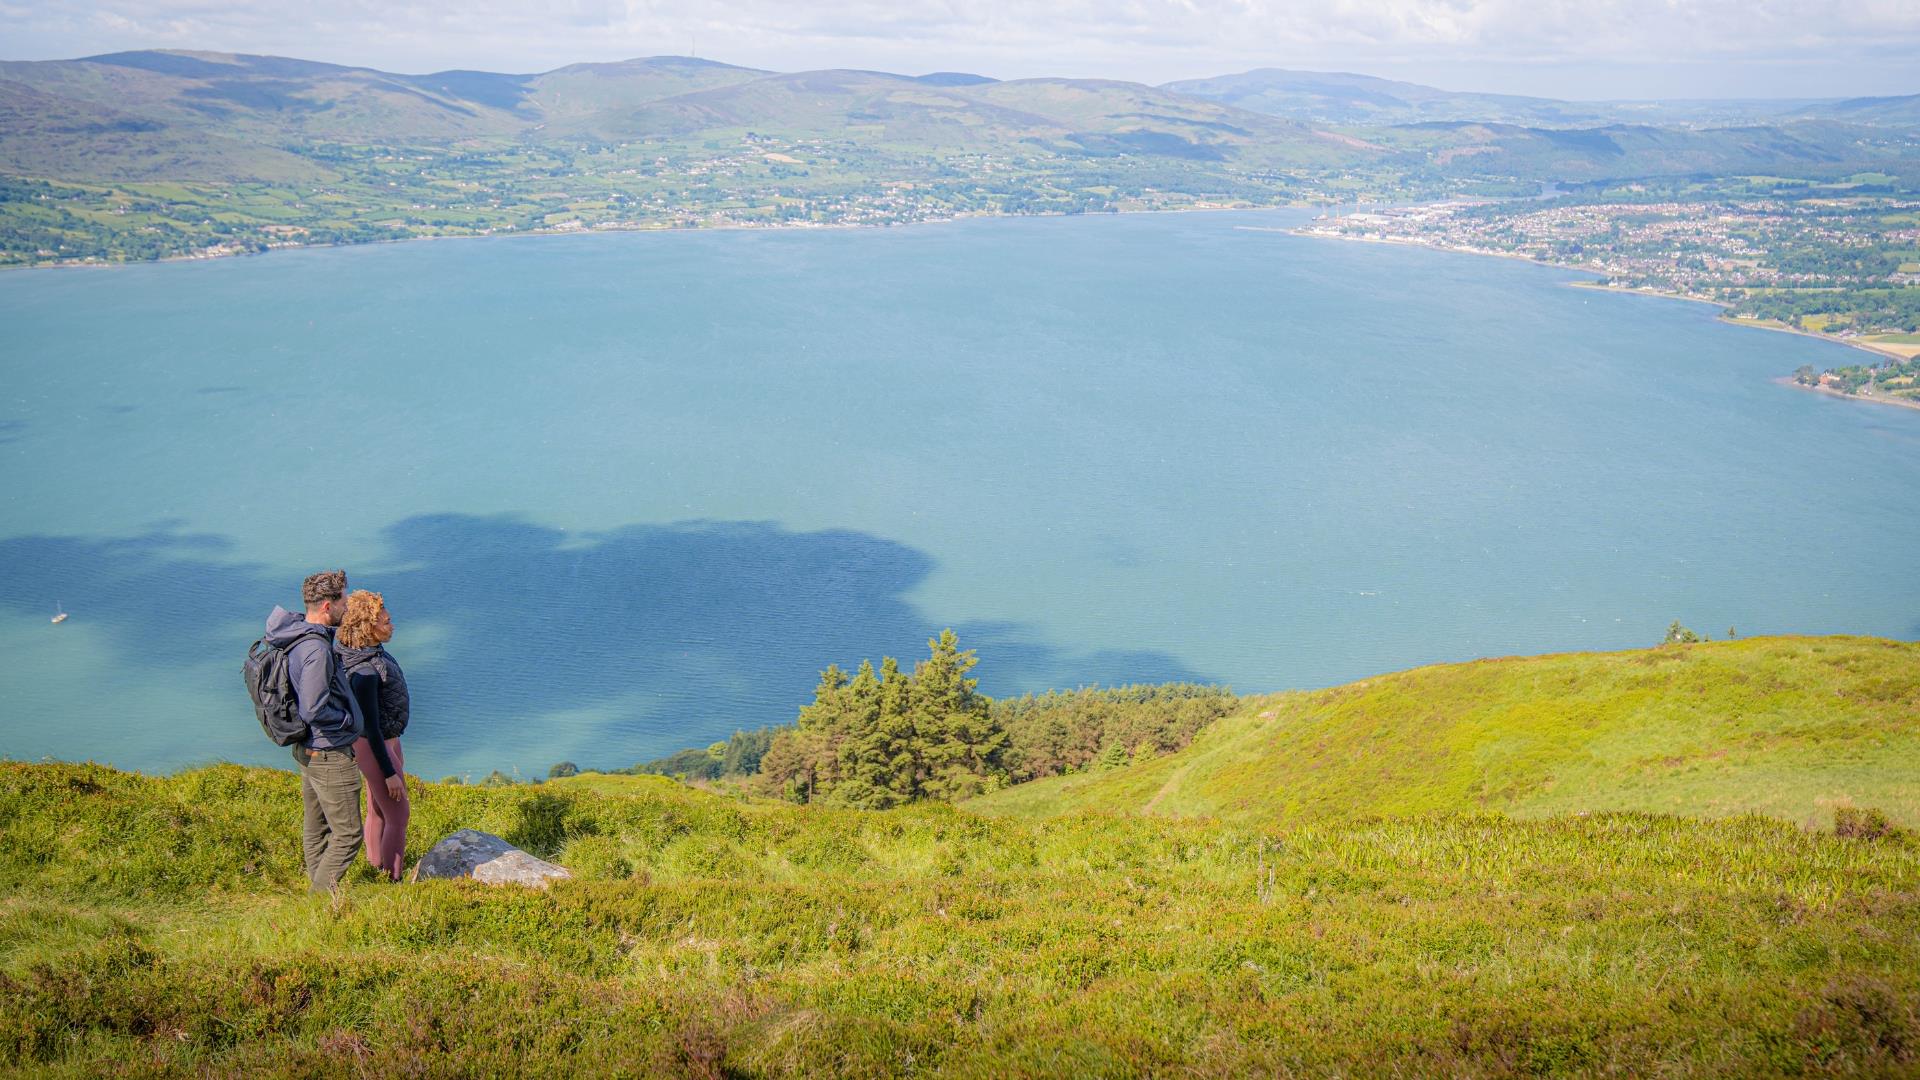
(638, 228)
(1865, 346)
(1601, 286)
(1871, 399)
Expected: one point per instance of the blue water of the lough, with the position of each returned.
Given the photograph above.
(627, 493)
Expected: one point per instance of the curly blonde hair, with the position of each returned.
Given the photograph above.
(358, 627)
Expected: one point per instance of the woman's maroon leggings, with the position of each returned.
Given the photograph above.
(386, 825)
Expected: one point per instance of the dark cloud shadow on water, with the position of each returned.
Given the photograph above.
(162, 592)
(657, 636)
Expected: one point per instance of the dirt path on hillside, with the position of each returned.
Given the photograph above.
(1172, 781)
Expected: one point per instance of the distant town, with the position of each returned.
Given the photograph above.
(1838, 260)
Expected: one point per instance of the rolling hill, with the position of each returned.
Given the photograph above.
(874, 107)
(1109, 117)
(198, 115)
(1787, 727)
(1341, 98)
(1621, 151)
(272, 102)
(579, 91)
(1900, 112)
(45, 135)
(263, 109)
(273, 97)
(1324, 97)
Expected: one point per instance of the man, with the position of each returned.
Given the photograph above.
(329, 776)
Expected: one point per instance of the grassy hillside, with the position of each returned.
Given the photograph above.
(155, 925)
(1787, 727)
(874, 108)
(268, 98)
(584, 90)
(42, 134)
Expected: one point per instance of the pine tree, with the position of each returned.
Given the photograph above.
(886, 738)
(867, 749)
(963, 742)
(802, 763)
(894, 753)
(744, 751)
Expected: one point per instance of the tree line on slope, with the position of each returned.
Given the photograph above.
(884, 736)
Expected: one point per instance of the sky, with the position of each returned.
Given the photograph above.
(1580, 49)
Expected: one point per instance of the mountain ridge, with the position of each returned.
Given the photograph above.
(152, 154)
(282, 104)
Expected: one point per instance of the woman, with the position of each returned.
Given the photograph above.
(381, 692)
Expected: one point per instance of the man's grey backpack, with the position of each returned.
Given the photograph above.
(270, 685)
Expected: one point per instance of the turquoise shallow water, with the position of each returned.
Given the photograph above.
(625, 493)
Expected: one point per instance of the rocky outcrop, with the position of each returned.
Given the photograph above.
(486, 858)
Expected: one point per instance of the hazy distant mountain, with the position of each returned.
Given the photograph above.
(1903, 112)
(1341, 98)
(952, 78)
(893, 109)
(164, 107)
(583, 90)
(1617, 151)
(1074, 117)
(1103, 116)
(198, 116)
(256, 96)
(56, 136)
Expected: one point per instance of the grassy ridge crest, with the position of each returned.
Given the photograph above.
(1789, 727)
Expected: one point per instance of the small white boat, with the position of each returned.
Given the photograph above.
(59, 616)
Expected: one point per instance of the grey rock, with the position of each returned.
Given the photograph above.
(486, 858)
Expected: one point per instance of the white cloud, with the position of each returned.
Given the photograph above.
(1144, 39)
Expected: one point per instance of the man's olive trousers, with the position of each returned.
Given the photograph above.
(330, 835)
